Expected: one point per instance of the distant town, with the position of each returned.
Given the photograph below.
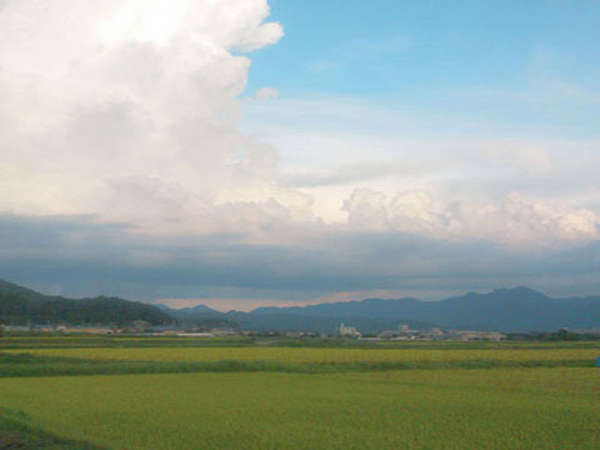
(402, 333)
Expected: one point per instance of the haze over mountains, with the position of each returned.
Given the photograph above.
(517, 309)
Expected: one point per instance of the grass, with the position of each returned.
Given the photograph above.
(15, 434)
(30, 366)
(166, 359)
(272, 394)
(313, 355)
(501, 408)
(38, 342)
(91, 341)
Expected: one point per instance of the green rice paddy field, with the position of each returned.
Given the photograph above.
(532, 396)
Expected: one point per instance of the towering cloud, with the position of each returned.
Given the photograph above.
(128, 108)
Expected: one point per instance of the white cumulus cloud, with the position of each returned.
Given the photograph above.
(515, 221)
(129, 109)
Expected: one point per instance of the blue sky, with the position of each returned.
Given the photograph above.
(492, 59)
(392, 48)
(256, 152)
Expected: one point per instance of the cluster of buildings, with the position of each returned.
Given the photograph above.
(348, 331)
(136, 327)
(404, 333)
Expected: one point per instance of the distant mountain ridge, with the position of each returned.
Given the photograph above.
(516, 309)
(282, 320)
(200, 317)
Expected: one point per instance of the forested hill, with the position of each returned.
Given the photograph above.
(19, 306)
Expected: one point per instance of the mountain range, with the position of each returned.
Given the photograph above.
(518, 309)
(515, 310)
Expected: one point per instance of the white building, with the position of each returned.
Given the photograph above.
(404, 329)
(348, 331)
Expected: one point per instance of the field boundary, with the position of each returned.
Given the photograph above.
(27, 365)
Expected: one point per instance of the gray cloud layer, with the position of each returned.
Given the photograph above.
(75, 256)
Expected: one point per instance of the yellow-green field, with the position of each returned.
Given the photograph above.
(312, 355)
(485, 409)
(532, 396)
